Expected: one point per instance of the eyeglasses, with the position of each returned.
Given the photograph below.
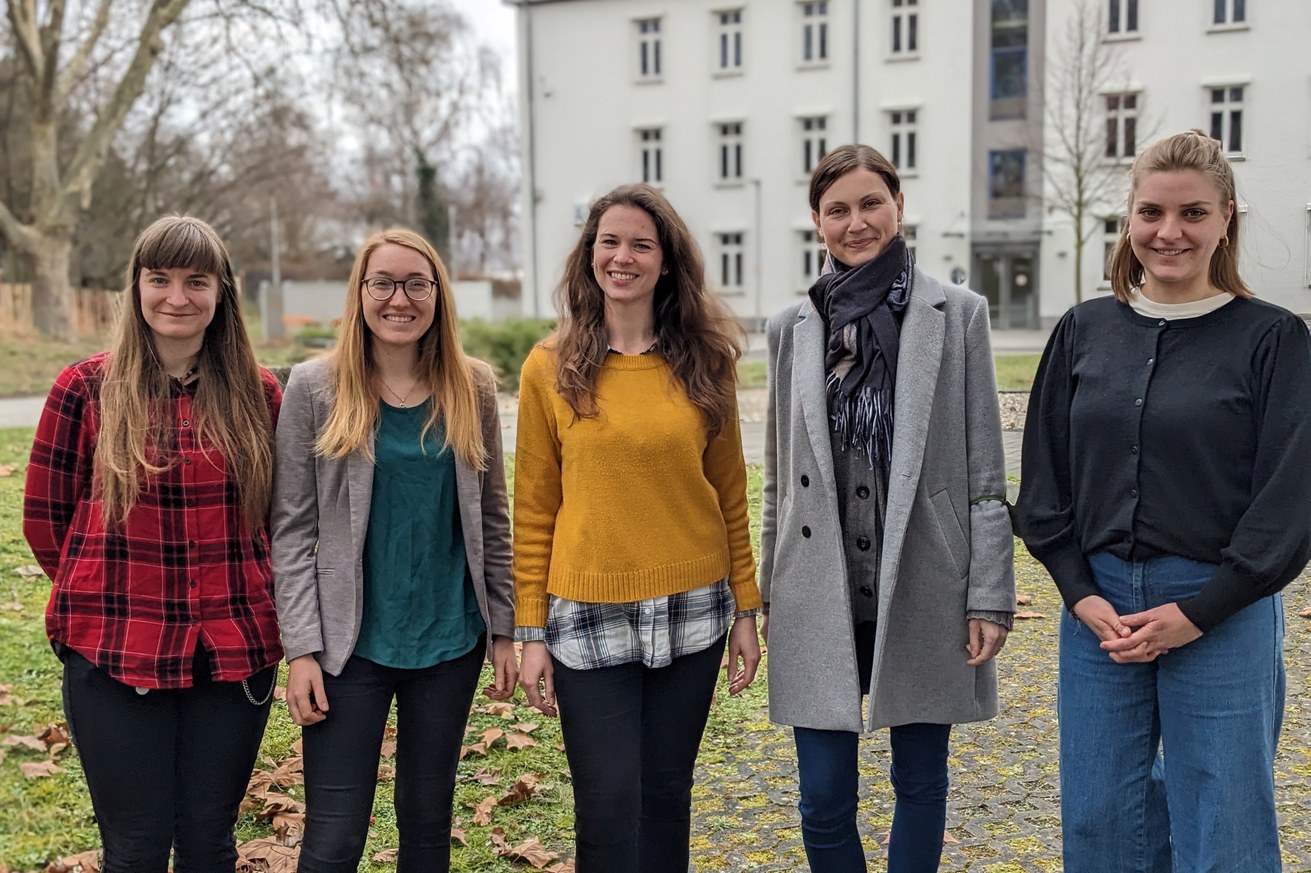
(382, 288)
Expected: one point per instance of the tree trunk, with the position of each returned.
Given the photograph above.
(1078, 272)
(52, 297)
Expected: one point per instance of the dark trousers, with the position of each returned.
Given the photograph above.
(166, 769)
(827, 763)
(341, 761)
(631, 735)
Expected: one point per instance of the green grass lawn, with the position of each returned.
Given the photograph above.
(1015, 372)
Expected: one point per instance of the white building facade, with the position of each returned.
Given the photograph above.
(725, 105)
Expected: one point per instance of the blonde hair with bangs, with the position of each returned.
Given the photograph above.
(231, 406)
(1190, 150)
(450, 374)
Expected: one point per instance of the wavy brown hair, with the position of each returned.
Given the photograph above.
(1190, 150)
(444, 368)
(698, 337)
(231, 407)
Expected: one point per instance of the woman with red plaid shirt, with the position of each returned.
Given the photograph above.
(147, 504)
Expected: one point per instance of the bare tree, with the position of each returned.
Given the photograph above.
(1082, 151)
(60, 190)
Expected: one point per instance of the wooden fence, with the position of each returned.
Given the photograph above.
(94, 310)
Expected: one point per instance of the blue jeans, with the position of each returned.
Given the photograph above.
(1168, 767)
(827, 764)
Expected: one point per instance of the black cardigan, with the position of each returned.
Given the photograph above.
(1187, 437)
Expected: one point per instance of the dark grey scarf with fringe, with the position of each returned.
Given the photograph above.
(861, 308)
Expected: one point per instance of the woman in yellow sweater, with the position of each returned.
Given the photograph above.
(632, 556)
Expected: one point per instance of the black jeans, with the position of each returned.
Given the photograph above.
(631, 735)
(341, 761)
(166, 769)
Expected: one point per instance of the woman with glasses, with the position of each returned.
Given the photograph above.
(632, 555)
(146, 504)
(391, 551)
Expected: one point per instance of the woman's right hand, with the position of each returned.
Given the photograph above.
(306, 700)
(1097, 613)
(535, 675)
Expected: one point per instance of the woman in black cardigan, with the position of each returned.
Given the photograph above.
(1167, 488)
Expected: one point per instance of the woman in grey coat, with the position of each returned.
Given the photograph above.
(886, 549)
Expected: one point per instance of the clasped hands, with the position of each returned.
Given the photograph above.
(1138, 638)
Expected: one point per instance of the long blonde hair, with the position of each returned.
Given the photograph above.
(449, 374)
(1190, 150)
(698, 336)
(231, 406)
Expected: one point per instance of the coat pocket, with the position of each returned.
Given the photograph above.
(944, 514)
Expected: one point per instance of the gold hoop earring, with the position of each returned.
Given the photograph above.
(1224, 241)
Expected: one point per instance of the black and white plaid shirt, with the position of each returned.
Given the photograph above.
(586, 636)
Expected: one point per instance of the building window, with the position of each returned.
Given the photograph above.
(811, 258)
(1227, 118)
(814, 32)
(1121, 125)
(730, 262)
(902, 123)
(1230, 11)
(652, 159)
(1006, 183)
(1009, 60)
(1123, 17)
(648, 48)
(908, 233)
(905, 27)
(814, 142)
(730, 152)
(730, 40)
(1111, 230)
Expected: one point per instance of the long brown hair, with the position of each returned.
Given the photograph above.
(699, 339)
(231, 408)
(1190, 150)
(443, 367)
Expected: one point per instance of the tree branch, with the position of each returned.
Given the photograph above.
(77, 65)
(22, 17)
(19, 234)
(91, 151)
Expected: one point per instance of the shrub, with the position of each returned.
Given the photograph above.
(504, 344)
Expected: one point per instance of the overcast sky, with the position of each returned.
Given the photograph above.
(494, 23)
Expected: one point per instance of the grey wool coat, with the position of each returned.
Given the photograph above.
(321, 512)
(947, 545)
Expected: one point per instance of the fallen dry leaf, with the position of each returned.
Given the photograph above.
(56, 738)
(519, 741)
(1029, 614)
(525, 727)
(386, 773)
(290, 772)
(36, 744)
(38, 769)
(487, 777)
(564, 866)
(265, 855)
(523, 790)
(388, 749)
(6, 470)
(289, 827)
(491, 735)
(1306, 613)
(84, 862)
(275, 802)
(29, 571)
(387, 856)
(501, 709)
(1024, 600)
(482, 813)
(457, 836)
(530, 850)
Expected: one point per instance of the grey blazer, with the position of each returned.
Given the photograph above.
(947, 546)
(321, 512)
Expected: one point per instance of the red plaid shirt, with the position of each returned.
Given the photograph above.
(183, 570)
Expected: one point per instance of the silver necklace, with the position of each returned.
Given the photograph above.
(401, 398)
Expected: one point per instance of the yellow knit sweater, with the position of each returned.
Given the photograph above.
(635, 503)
